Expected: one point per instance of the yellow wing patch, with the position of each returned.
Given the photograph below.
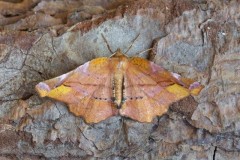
(140, 62)
(178, 91)
(59, 91)
(99, 61)
(42, 92)
(196, 91)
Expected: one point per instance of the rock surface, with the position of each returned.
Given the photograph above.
(43, 39)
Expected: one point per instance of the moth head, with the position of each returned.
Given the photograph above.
(118, 54)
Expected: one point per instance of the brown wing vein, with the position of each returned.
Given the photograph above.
(144, 92)
(129, 80)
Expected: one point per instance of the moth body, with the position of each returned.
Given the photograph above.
(119, 64)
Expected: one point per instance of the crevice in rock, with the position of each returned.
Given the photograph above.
(26, 96)
(92, 142)
(125, 132)
(214, 152)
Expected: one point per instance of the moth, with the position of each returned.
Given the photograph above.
(118, 85)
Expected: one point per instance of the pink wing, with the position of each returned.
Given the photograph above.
(86, 90)
(149, 90)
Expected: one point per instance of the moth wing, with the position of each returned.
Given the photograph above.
(150, 89)
(87, 90)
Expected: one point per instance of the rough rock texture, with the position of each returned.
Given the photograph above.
(43, 39)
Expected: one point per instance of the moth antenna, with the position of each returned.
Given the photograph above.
(105, 40)
(149, 49)
(132, 43)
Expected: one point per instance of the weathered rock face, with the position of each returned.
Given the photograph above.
(43, 39)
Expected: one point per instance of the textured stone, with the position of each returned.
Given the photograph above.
(43, 39)
(208, 115)
(222, 155)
